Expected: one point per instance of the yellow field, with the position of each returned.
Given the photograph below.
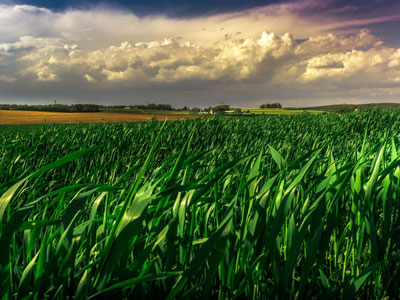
(15, 117)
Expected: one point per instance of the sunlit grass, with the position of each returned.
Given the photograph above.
(273, 207)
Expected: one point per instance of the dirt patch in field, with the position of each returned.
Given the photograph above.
(15, 117)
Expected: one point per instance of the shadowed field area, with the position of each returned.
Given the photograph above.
(14, 117)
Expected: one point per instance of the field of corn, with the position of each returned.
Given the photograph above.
(271, 207)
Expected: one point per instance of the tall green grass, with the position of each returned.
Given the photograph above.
(284, 207)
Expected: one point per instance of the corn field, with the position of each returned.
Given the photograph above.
(270, 207)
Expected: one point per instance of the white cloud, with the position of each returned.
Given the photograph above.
(29, 9)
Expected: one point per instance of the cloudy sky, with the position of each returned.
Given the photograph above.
(200, 53)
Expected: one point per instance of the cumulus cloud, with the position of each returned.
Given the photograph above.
(265, 59)
(228, 55)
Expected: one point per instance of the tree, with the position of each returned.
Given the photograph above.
(271, 105)
(276, 105)
(221, 108)
(153, 106)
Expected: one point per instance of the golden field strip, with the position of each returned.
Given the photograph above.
(19, 117)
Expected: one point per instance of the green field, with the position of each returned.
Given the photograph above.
(272, 207)
(275, 111)
(340, 108)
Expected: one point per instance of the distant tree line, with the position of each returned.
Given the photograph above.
(53, 107)
(271, 105)
(153, 106)
(91, 107)
(221, 108)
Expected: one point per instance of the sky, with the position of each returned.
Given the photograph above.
(200, 53)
